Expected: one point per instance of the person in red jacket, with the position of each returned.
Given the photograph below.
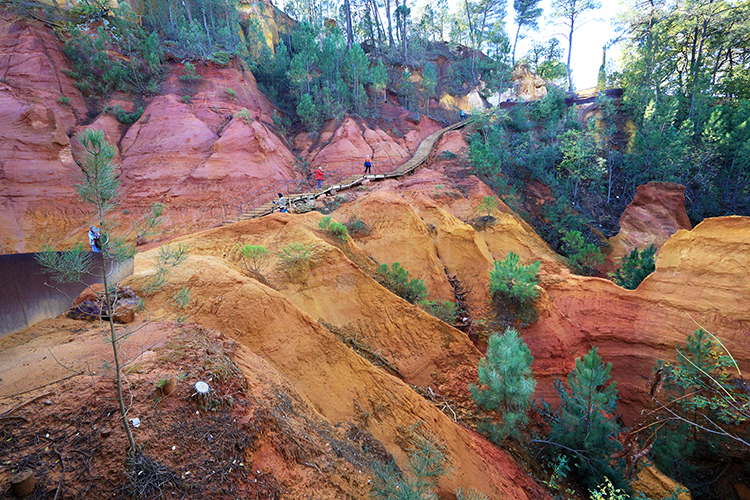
(319, 177)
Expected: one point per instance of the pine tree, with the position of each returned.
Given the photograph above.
(506, 383)
(635, 267)
(583, 427)
(100, 188)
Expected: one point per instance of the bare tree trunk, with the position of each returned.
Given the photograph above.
(187, 11)
(404, 30)
(348, 11)
(378, 24)
(390, 27)
(118, 369)
(570, 51)
(515, 42)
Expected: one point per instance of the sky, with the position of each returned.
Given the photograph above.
(588, 40)
(595, 30)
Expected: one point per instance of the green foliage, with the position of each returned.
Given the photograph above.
(181, 299)
(97, 74)
(559, 475)
(396, 279)
(688, 110)
(185, 99)
(64, 100)
(256, 256)
(99, 188)
(607, 491)
(123, 116)
(703, 373)
(98, 182)
(488, 205)
(583, 427)
(196, 29)
(426, 463)
(334, 228)
(445, 310)
(581, 157)
(635, 267)
(149, 224)
(506, 384)
(581, 257)
(307, 110)
(429, 79)
(65, 267)
(189, 74)
(297, 257)
(231, 93)
(511, 279)
(244, 115)
(356, 226)
(169, 257)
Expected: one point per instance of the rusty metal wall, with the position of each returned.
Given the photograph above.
(29, 295)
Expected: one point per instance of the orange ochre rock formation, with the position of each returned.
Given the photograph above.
(192, 155)
(290, 321)
(656, 212)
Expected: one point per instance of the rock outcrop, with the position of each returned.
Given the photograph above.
(279, 324)
(701, 280)
(655, 214)
(198, 146)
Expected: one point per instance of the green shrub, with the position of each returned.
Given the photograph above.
(189, 74)
(334, 228)
(97, 73)
(231, 93)
(220, 58)
(488, 205)
(64, 100)
(245, 116)
(122, 115)
(296, 254)
(581, 257)
(356, 226)
(445, 311)
(396, 279)
(185, 99)
(256, 256)
(635, 267)
(511, 279)
(308, 112)
(506, 384)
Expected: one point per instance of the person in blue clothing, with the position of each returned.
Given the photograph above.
(368, 165)
(463, 115)
(94, 236)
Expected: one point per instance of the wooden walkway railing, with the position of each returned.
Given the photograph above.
(420, 156)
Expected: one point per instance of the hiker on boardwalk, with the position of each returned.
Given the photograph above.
(368, 165)
(463, 115)
(281, 202)
(319, 177)
(94, 236)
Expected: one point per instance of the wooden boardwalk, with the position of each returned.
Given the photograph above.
(420, 156)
